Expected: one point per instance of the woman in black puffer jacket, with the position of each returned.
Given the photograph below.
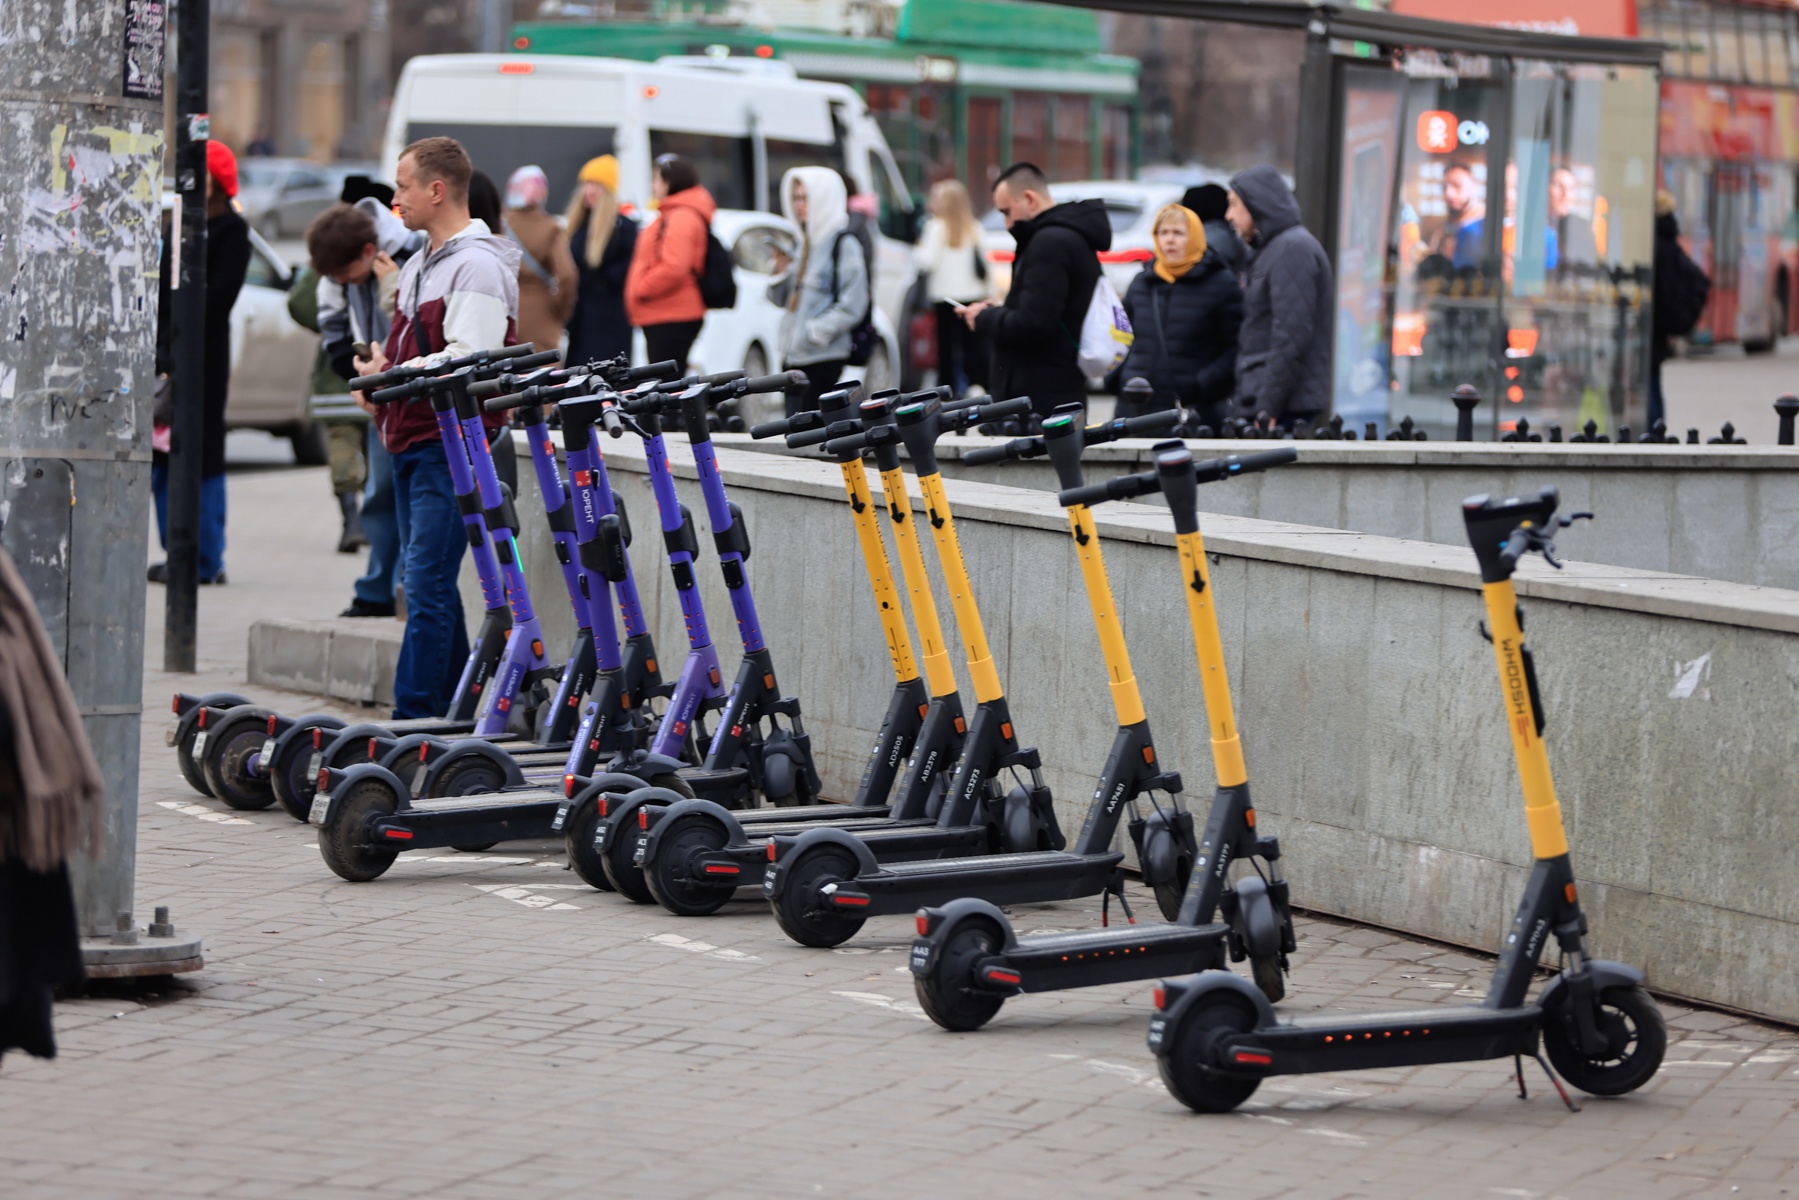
(1185, 310)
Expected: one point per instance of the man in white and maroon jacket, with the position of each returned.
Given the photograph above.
(456, 296)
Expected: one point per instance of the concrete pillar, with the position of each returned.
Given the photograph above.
(83, 165)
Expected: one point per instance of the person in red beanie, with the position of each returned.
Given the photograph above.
(227, 262)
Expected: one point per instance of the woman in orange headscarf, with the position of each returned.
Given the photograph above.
(1185, 309)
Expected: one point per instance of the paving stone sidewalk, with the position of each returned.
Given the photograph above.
(486, 1026)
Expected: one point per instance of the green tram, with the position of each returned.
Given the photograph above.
(960, 87)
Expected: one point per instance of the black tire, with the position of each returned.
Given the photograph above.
(292, 783)
(949, 994)
(344, 842)
(475, 848)
(577, 843)
(1270, 977)
(1170, 893)
(668, 877)
(625, 876)
(311, 446)
(467, 775)
(1200, 1087)
(230, 744)
(797, 908)
(1019, 831)
(1632, 1024)
(184, 759)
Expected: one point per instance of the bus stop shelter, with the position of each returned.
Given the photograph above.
(1487, 198)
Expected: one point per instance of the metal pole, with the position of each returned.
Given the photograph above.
(192, 129)
(81, 150)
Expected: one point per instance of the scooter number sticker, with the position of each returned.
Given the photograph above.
(321, 804)
(1157, 1027)
(561, 817)
(265, 763)
(199, 744)
(643, 844)
(312, 768)
(921, 957)
(599, 835)
(768, 879)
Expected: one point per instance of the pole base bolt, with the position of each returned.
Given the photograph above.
(125, 931)
(162, 927)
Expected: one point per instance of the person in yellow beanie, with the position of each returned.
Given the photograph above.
(1185, 308)
(602, 240)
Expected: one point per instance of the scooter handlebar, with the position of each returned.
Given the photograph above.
(677, 386)
(839, 437)
(551, 392)
(1024, 447)
(1126, 487)
(1232, 465)
(1147, 423)
(396, 375)
(799, 422)
(667, 369)
(975, 414)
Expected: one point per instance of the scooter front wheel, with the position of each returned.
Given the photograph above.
(670, 876)
(344, 843)
(230, 744)
(949, 994)
(1636, 1038)
(800, 907)
(1184, 1072)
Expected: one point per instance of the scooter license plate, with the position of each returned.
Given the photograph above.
(1158, 1026)
(173, 732)
(265, 762)
(561, 817)
(768, 879)
(321, 804)
(921, 957)
(599, 835)
(312, 769)
(199, 745)
(637, 854)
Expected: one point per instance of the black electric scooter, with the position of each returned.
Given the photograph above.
(1215, 1037)
(967, 958)
(695, 854)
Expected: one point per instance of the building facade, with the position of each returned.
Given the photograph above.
(303, 78)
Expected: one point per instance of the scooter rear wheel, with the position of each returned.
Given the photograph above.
(1200, 1087)
(291, 781)
(230, 743)
(188, 729)
(1636, 1039)
(670, 875)
(470, 775)
(625, 876)
(949, 994)
(344, 843)
(799, 908)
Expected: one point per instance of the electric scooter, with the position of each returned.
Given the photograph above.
(748, 752)
(237, 752)
(1215, 1037)
(695, 854)
(967, 959)
(369, 814)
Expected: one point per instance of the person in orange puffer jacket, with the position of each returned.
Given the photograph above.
(662, 291)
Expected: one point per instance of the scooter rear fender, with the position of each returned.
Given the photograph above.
(941, 921)
(341, 780)
(788, 848)
(463, 750)
(1184, 993)
(621, 811)
(663, 818)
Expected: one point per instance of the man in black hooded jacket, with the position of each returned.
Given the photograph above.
(1283, 351)
(1036, 334)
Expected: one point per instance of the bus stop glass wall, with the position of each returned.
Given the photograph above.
(1579, 247)
(1494, 228)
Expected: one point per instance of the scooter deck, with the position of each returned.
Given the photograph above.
(1355, 1041)
(1118, 954)
(462, 820)
(1023, 878)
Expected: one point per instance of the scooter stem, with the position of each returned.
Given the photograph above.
(880, 571)
(981, 671)
(940, 677)
(1542, 811)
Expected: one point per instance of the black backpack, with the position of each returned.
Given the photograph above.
(718, 285)
(863, 338)
(1684, 295)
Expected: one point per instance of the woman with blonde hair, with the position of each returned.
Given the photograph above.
(1186, 309)
(602, 240)
(954, 269)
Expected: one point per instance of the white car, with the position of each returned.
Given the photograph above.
(1130, 207)
(747, 337)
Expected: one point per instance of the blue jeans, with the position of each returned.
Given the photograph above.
(212, 518)
(381, 522)
(435, 645)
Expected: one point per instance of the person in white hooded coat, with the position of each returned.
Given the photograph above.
(826, 295)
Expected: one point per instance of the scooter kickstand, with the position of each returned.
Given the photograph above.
(1518, 1069)
(1562, 1091)
(1129, 917)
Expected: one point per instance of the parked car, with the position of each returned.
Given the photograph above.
(1130, 207)
(281, 196)
(748, 336)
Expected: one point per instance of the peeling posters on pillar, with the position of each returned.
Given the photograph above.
(90, 193)
(144, 22)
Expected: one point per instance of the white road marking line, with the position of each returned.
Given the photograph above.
(876, 1000)
(204, 813)
(477, 859)
(1772, 1056)
(1335, 1135)
(524, 896)
(677, 942)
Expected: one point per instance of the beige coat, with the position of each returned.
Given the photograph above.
(541, 312)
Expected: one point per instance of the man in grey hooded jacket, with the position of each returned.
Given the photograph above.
(1283, 350)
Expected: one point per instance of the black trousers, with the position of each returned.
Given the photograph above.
(821, 377)
(670, 341)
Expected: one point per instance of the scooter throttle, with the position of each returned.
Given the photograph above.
(500, 385)
(838, 437)
(811, 418)
(403, 391)
(517, 365)
(539, 393)
(674, 386)
(786, 381)
(1233, 465)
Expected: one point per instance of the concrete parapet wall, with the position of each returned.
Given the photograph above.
(344, 658)
(1365, 695)
(1719, 512)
